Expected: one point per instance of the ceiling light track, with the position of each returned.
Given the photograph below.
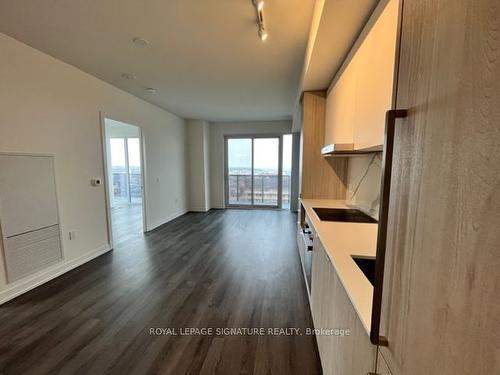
(259, 8)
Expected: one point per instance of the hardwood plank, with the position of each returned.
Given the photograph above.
(234, 268)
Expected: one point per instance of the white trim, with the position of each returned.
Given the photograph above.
(142, 152)
(199, 209)
(30, 282)
(106, 178)
(166, 219)
(35, 154)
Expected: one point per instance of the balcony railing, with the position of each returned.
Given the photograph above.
(121, 187)
(240, 189)
(265, 188)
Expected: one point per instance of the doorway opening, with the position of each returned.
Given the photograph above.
(124, 178)
(256, 173)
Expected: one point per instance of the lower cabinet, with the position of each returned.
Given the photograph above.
(382, 367)
(300, 244)
(343, 343)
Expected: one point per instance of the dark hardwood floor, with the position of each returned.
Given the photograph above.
(127, 221)
(234, 268)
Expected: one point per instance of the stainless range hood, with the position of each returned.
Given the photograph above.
(348, 149)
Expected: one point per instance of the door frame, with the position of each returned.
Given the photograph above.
(107, 180)
(279, 136)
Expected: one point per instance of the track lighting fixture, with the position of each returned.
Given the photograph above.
(259, 7)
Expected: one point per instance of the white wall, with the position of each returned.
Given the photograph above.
(198, 165)
(48, 106)
(217, 132)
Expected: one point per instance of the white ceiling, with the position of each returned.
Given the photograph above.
(118, 129)
(204, 58)
(341, 21)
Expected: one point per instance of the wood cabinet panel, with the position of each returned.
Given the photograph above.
(350, 354)
(320, 178)
(440, 310)
(300, 244)
(319, 288)
(382, 367)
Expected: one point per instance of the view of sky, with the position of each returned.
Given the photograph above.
(117, 146)
(266, 153)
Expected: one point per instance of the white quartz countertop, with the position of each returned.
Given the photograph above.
(341, 241)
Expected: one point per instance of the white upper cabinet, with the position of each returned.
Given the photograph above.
(341, 107)
(363, 92)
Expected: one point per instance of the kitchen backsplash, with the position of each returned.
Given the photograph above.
(363, 182)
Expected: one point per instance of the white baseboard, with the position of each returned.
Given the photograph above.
(166, 219)
(30, 282)
(199, 209)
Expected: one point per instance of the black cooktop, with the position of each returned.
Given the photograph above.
(349, 215)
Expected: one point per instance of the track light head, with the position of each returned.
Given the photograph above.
(259, 6)
(263, 34)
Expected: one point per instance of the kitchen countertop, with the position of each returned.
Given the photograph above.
(341, 240)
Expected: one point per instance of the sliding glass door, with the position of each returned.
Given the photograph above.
(134, 170)
(253, 171)
(239, 177)
(126, 171)
(266, 171)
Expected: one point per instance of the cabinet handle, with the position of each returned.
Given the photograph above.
(390, 125)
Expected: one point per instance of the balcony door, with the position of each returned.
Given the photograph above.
(126, 171)
(253, 171)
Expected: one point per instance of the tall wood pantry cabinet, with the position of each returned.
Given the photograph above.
(441, 294)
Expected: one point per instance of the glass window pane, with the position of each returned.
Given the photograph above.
(119, 170)
(266, 169)
(239, 159)
(134, 161)
(286, 171)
